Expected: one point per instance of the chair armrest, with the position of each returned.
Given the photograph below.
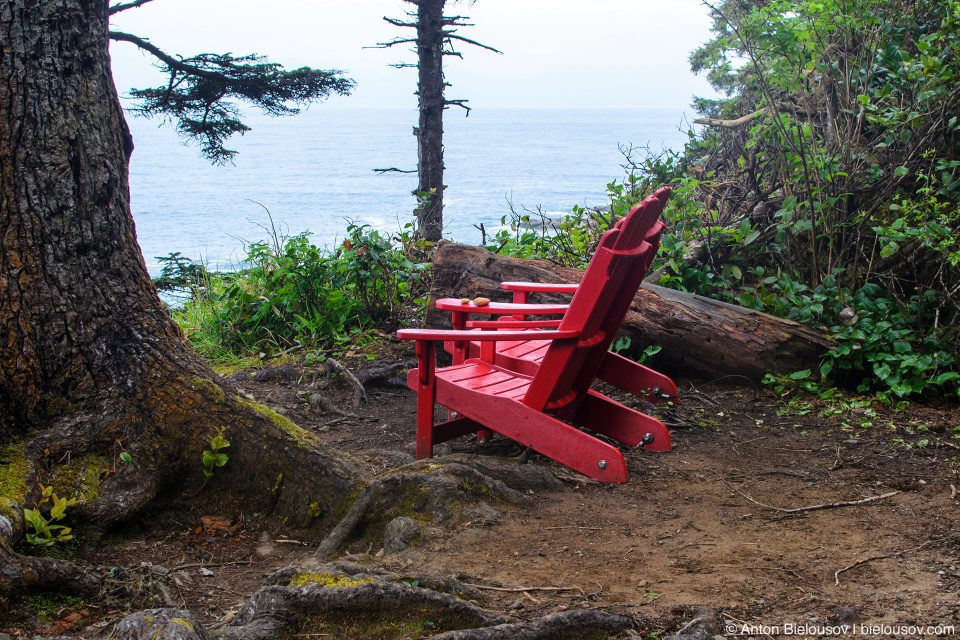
(502, 308)
(513, 324)
(539, 286)
(482, 336)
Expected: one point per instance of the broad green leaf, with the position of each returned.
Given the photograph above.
(945, 377)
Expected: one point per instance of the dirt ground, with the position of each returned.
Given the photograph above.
(728, 518)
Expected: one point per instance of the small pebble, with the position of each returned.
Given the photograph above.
(517, 605)
(481, 302)
(464, 300)
(206, 573)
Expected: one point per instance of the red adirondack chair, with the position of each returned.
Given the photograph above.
(525, 356)
(532, 410)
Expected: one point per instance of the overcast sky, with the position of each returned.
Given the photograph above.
(556, 53)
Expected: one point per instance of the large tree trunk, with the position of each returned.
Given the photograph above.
(90, 363)
(430, 132)
(698, 336)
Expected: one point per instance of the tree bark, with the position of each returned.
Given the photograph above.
(90, 363)
(698, 336)
(430, 132)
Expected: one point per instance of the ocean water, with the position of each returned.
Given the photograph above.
(315, 172)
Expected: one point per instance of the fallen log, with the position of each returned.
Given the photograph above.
(698, 336)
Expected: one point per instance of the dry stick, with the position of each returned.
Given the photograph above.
(815, 507)
(836, 575)
(573, 527)
(295, 347)
(215, 564)
(522, 589)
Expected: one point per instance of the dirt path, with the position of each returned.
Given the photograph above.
(722, 520)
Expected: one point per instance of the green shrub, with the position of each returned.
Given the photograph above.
(290, 292)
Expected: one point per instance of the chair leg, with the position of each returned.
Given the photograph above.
(547, 435)
(426, 396)
(606, 416)
(636, 379)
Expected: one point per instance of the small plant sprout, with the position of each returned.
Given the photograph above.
(213, 458)
(44, 533)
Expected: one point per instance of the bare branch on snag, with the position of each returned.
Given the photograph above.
(400, 23)
(386, 45)
(458, 103)
(457, 21)
(451, 36)
(402, 65)
(395, 170)
(117, 8)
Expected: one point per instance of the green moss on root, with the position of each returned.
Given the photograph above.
(79, 480)
(210, 389)
(325, 580)
(13, 480)
(301, 435)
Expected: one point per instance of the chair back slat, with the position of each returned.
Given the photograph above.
(598, 307)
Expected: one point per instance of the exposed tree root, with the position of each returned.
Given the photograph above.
(385, 375)
(358, 572)
(576, 623)
(22, 574)
(319, 402)
(346, 526)
(359, 393)
(346, 600)
(434, 489)
(276, 610)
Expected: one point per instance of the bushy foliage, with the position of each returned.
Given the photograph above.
(571, 241)
(288, 291)
(825, 186)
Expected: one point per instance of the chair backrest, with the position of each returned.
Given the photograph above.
(598, 307)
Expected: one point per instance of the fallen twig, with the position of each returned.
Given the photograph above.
(522, 589)
(574, 527)
(213, 564)
(271, 356)
(836, 575)
(740, 443)
(814, 507)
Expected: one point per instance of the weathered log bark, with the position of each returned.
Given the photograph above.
(698, 336)
(90, 363)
